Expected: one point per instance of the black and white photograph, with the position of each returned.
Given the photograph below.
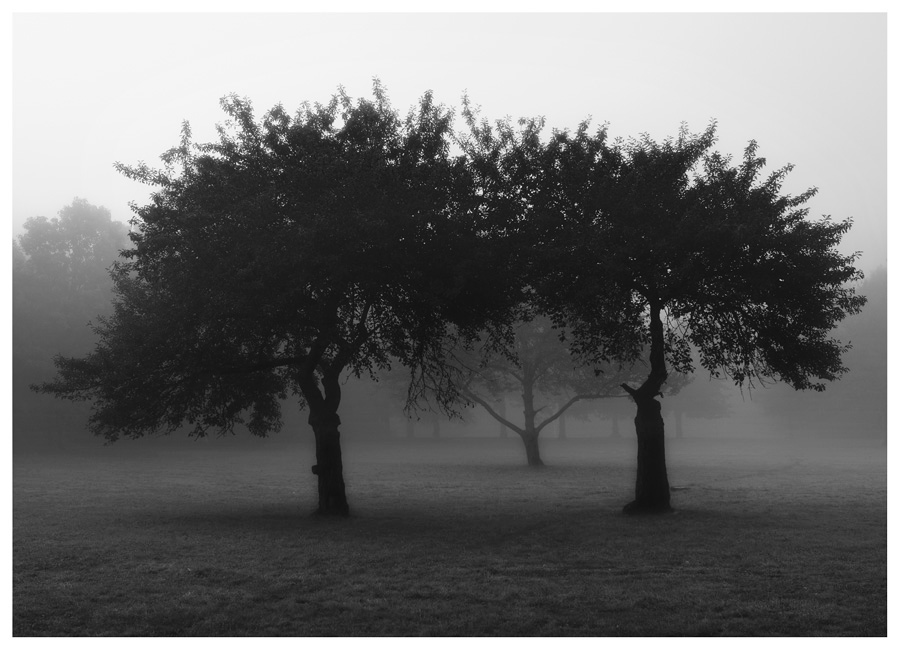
(482, 320)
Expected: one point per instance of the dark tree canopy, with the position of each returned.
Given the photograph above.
(345, 238)
(272, 260)
(668, 246)
(734, 267)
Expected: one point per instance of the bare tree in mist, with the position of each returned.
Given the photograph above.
(540, 369)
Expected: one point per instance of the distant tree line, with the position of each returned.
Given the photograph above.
(60, 285)
(347, 238)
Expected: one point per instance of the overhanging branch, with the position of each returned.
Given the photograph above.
(256, 367)
(568, 404)
(487, 407)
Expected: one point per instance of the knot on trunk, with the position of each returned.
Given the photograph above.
(646, 392)
(315, 470)
(321, 419)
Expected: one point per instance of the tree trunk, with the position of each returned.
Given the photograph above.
(323, 418)
(529, 434)
(651, 492)
(329, 465)
(532, 451)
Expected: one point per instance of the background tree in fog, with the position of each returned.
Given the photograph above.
(399, 387)
(540, 369)
(60, 284)
(704, 398)
(289, 251)
(668, 246)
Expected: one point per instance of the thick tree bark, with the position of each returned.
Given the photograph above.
(651, 492)
(329, 465)
(532, 451)
(323, 418)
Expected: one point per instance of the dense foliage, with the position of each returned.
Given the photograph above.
(735, 268)
(669, 246)
(295, 249)
(290, 250)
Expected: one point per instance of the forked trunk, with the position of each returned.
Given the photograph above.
(651, 490)
(323, 418)
(529, 434)
(329, 465)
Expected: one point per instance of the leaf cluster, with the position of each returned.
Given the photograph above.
(345, 237)
(737, 270)
(293, 247)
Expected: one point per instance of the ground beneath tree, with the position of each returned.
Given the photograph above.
(450, 537)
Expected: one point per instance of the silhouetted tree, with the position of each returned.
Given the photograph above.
(60, 283)
(667, 245)
(288, 252)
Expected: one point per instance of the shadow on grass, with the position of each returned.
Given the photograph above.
(213, 546)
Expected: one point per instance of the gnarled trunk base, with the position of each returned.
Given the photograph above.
(329, 465)
(651, 493)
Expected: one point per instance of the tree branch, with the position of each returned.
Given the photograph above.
(255, 367)
(572, 401)
(487, 407)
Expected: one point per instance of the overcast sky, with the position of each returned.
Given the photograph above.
(92, 89)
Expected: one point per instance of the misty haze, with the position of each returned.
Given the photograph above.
(376, 364)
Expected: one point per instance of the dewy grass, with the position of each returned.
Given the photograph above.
(453, 537)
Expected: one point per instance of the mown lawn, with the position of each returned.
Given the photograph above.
(449, 537)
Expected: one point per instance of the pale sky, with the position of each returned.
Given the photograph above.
(92, 89)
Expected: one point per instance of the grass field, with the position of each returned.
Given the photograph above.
(449, 537)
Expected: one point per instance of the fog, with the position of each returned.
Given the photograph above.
(851, 411)
(93, 89)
